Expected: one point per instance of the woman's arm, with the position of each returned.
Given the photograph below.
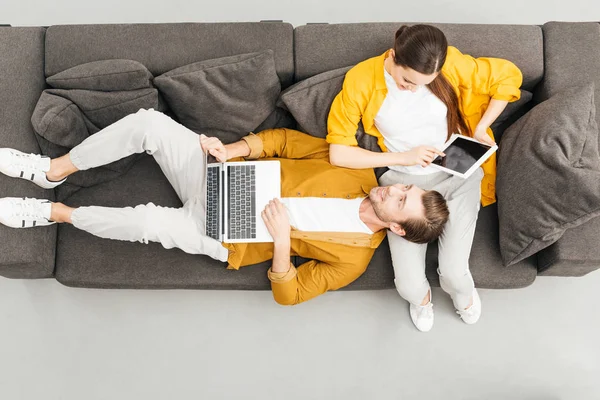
(493, 111)
(355, 157)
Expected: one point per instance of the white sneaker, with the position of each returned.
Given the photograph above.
(471, 314)
(422, 316)
(32, 167)
(22, 212)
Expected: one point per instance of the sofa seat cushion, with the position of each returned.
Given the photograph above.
(118, 264)
(485, 262)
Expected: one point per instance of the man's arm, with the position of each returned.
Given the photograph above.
(270, 143)
(314, 277)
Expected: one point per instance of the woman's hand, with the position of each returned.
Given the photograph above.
(421, 155)
(277, 221)
(482, 136)
(213, 146)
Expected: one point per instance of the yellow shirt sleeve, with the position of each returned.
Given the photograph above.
(500, 79)
(347, 110)
(314, 278)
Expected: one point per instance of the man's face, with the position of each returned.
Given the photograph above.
(397, 203)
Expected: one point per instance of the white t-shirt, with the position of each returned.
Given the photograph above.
(407, 120)
(315, 214)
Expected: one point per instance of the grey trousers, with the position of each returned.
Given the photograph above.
(177, 151)
(408, 259)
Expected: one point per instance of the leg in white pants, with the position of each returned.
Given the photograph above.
(177, 151)
(455, 243)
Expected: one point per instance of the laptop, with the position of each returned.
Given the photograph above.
(236, 194)
(463, 156)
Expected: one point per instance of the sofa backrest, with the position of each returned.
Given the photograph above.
(323, 47)
(572, 58)
(163, 47)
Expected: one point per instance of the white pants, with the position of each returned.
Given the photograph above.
(454, 248)
(177, 151)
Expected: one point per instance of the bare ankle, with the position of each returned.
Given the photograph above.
(61, 213)
(60, 168)
(427, 298)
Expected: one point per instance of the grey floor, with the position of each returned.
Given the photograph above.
(541, 342)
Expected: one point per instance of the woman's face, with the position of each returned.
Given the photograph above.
(407, 78)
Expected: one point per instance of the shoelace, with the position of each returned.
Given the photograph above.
(29, 208)
(468, 312)
(27, 161)
(426, 310)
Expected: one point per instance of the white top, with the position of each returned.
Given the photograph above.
(407, 120)
(315, 214)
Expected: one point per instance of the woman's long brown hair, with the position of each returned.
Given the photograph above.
(423, 48)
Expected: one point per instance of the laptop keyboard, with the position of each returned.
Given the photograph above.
(212, 203)
(242, 202)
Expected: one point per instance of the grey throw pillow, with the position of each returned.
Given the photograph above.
(548, 173)
(64, 118)
(105, 75)
(309, 101)
(225, 97)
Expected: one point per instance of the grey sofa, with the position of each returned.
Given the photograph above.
(550, 58)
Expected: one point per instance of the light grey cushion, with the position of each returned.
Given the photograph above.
(105, 75)
(225, 97)
(548, 173)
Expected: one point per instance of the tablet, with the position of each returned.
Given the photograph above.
(463, 155)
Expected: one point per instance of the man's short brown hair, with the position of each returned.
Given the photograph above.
(429, 228)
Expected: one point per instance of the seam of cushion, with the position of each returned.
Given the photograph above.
(299, 90)
(56, 115)
(125, 102)
(95, 76)
(208, 69)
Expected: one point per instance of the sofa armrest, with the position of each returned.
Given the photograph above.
(576, 253)
(24, 253)
(571, 57)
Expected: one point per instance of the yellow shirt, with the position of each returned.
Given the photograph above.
(338, 258)
(475, 81)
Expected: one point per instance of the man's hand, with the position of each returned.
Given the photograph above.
(482, 136)
(277, 221)
(213, 146)
(421, 155)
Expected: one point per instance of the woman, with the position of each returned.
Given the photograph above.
(412, 98)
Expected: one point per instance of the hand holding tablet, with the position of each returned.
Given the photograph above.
(463, 155)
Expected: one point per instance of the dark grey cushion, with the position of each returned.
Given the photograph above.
(511, 114)
(309, 101)
(548, 173)
(225, 97)
(64, 118)
(104, 75)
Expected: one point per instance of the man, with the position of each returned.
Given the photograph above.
(339, 216)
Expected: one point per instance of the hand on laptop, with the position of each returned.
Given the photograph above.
(277, 221)
(214, 147)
